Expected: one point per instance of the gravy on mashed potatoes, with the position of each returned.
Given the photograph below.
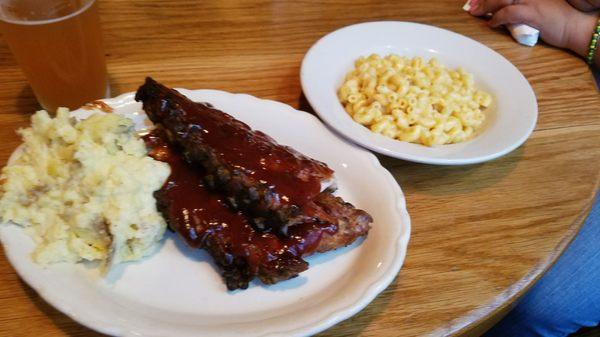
(84, 190)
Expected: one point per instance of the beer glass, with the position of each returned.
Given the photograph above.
(58, 45)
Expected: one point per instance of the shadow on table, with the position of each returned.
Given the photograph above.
(303, 105)
(451, 180)
(25, 101)
(442, 180)
(115, 88)
(66, 324)
(356, 325)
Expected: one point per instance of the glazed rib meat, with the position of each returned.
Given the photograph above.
(271, 183)
(201, 217)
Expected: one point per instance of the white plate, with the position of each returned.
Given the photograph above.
(511, 118)
(178, 292)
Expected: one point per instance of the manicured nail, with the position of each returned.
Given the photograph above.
(473, 4)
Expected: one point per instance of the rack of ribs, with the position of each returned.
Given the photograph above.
(201, 217)
(274, 185)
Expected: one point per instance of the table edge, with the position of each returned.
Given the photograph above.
(505, 300)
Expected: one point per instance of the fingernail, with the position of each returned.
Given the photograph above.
(473, 4)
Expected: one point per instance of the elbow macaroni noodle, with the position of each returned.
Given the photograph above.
(414, 101)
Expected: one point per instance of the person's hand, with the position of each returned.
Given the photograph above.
(559, 23)
(585, 5)
(551, 17)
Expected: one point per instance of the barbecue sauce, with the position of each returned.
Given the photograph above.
(294, 177)
(199, 214)
(286, 171)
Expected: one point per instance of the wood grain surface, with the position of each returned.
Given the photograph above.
(481, 234)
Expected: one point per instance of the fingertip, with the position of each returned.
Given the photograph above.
(493, 23)
(474, 10)
(513, 14)
(473, 6)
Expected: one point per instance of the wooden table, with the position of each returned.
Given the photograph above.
(482, 234)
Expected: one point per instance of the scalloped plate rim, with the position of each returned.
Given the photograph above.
(370, 291)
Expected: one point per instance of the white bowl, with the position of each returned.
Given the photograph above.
(510, 120)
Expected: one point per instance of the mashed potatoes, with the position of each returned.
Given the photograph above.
(84, 190)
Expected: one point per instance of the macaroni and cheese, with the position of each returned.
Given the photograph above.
(413, 100)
